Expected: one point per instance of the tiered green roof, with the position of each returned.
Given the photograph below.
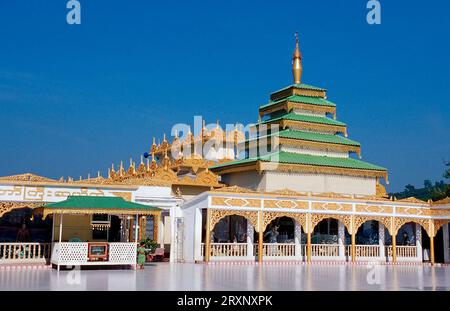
(303, 111)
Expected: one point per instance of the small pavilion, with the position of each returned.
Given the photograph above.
(76, 252)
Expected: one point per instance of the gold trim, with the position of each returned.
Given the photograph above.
(47, 212)
(217, 215)
(273, 166)
(332, 206)
(312, 126)
(320, 145)
(288, 106)
(268, 217)
(6, 207)
(317, 218)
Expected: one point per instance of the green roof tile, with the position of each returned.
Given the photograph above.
(310, 136)
(302, 99)
(319, 137)
(305, 118)
(305, 159)
(92, 203)
(301, 86)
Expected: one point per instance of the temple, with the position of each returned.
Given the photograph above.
(299, 144)
(294, 188)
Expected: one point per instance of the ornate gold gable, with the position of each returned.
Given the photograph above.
(27, 177)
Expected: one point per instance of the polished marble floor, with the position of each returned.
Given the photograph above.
(198, 277)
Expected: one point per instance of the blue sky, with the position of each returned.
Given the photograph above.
(76, 98)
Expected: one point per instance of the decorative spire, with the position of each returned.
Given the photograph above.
(297, 62)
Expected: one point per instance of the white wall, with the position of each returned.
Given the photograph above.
(251, 179)
(272, 181)
(319, 183)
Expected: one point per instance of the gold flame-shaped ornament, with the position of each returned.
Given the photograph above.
(297, 62)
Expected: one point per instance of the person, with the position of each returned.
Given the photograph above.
(23, 235)
(272, 234)
(405, 238)
(141, 255)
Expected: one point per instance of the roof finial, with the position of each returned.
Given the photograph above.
(297, 62)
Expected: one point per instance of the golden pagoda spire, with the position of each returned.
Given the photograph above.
(297, 62)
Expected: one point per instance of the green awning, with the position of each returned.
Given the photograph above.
(99, 205)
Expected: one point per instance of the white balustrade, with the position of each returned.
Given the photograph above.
(279, 249)
(368, 251)
(24, 252)
(325, 250)
(228, 249)
(403, 251)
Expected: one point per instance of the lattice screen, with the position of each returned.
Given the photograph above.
(122, 253)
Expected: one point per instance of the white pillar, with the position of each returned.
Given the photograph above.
(198, 222)
(419, 242)
(341, 240)
(161, 231)
(173, 232)
(53, 228)
(136, 228)
(381, 240)
(298, 240)
(445, 232)
(60, 237)
(250, 239)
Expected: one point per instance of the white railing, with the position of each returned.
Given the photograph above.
(279, 249)
(25, 252)
(76, 254)
(228, 249)
(403, 251)
(369, 251)
(325, 250)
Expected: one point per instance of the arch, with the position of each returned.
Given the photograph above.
(217, 215)
(6, 207)
(268, 217)
(358, 221)
(317, 218)
(438, 224)
(426, 224)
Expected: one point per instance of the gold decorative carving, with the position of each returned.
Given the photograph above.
(439, 212)
(287, 192)
(6, 207)
(437, 224)
(398, 222)
(374, 209)
(217, 215)
(234, 189)
(233, 202)
(319, 145)
(443, 201)
(380, 191)
(288, 106)
(316, 218)
(359, 220)
(411, 211)
(331, 206)
(285, 204)
(273, 166)
(412, 200)
(313, 126)
(268, 217)
(124, 195)
(27, 177)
